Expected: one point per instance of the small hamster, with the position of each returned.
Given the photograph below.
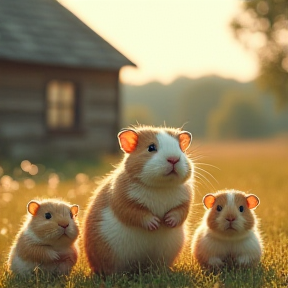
(228, 230)
(136, 216)
(46, 239)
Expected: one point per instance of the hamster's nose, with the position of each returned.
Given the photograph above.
(230, 219)
(63, 225)
(173, 160)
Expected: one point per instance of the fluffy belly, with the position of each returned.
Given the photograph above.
(19, 266)
(137, 245)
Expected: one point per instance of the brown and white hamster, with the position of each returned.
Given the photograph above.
(228, 230)
(46, 239)
(136, 217)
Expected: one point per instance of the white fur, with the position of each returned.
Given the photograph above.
(137, 244)
(31, 235)
(163, 192)
(244, 248)
(20, 266)
(168, 145)
(159, 201)
(230, 199)
(155, 171)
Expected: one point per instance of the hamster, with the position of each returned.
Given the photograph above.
(228, 230)
(46, 239)
(136, 217)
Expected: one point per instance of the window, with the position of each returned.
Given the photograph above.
(61, 105)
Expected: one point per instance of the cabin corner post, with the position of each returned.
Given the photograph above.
(118, 111)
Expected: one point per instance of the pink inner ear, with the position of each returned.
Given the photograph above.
(209, 201)
(33, 207)
(185, 140)
(252, 201)
(128, 140)
(74, 210)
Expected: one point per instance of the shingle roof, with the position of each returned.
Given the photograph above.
(43, 31)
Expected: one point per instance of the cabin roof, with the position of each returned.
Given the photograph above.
(45, 32)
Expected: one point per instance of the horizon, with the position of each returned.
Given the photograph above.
(215, 76)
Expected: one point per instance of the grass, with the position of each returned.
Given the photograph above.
(259, 167)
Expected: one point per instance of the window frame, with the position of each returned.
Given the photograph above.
(75, 127)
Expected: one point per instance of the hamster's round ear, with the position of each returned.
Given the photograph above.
(74, 210)
(209, 200)
(252, 201)
(32, 207)
(185, 139)
(128, 140)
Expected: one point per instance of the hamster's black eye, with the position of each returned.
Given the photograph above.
(71, 215)
(152, 147)
(219, 208)
(48, 215)
(241, 208)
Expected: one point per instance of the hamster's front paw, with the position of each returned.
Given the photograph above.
(151, 222)
(65, 267)
(172, 219)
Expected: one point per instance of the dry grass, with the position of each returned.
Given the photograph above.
(259, 167)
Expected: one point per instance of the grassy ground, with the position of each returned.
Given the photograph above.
(256, 167)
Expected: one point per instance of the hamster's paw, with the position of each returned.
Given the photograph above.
(151, 222)
(70, 258)
(215, 262)
(172, 219)
(65, 267)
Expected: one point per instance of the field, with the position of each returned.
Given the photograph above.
(259, 167)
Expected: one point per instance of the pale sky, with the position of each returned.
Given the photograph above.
(170, 38)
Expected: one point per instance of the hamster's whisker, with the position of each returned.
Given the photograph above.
(197, 183)
(196, 157)
(203, 170)
(195, 149)
(207, 164)
(200, 183)
(203, 178)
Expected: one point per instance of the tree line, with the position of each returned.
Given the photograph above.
(209, 107)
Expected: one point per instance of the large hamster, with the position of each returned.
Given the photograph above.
(136, 217)
(46, 239)
(228, 230)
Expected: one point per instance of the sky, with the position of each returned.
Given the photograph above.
(168, 39)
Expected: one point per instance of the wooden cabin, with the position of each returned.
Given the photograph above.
(59, 83)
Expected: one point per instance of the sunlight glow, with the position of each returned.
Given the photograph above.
(3, 231)
(25, 165)
(28, 167)
(29, 183)
(6, 182)
(53, 181)
(168, 39)
(82, 184)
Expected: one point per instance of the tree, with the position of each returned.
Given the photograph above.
(263, 27)
(238, 116)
